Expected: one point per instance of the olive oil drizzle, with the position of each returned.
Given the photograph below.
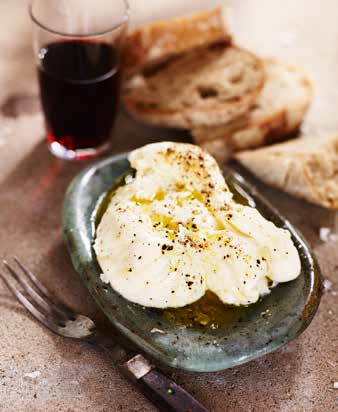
(105, 199)
(209, 311)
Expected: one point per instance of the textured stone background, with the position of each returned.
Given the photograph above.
(73, 377)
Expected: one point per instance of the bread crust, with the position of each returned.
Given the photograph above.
(266, 122)
(156, 42)
(306, 168)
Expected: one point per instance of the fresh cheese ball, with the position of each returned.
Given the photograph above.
(173, 232)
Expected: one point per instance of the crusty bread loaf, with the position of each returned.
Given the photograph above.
(277, 114)
(204, 87)
(160, 40)
(306, 168)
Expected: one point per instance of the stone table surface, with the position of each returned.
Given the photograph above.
(72, 377)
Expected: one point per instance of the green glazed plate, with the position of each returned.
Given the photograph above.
(272, 322)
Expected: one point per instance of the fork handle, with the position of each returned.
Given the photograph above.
(158, 388)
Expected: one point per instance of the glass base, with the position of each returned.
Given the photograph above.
(77, 155)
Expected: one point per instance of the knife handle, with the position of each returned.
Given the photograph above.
(158, 388)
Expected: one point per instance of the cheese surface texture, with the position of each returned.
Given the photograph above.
(173, 232)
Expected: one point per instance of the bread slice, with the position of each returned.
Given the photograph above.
(306, 168)
(157, 42)
(204, 87)
(277, 114)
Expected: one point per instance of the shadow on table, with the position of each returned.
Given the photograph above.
(270, 380)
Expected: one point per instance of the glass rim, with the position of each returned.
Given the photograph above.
(124, 20)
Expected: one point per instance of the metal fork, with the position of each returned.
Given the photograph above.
(62, 320)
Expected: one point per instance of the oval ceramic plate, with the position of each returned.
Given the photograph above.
(272, 322)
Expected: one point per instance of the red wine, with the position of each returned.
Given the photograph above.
(79, 87)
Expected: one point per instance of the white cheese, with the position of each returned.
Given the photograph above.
(174, 232)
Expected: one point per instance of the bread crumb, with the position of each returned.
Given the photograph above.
(156, 330)
(326, 235)
(32, 375)
(327, 284)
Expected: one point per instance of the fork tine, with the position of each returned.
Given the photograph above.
(39, 286)
(28, 305)
(48, 307)
(32, 277)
